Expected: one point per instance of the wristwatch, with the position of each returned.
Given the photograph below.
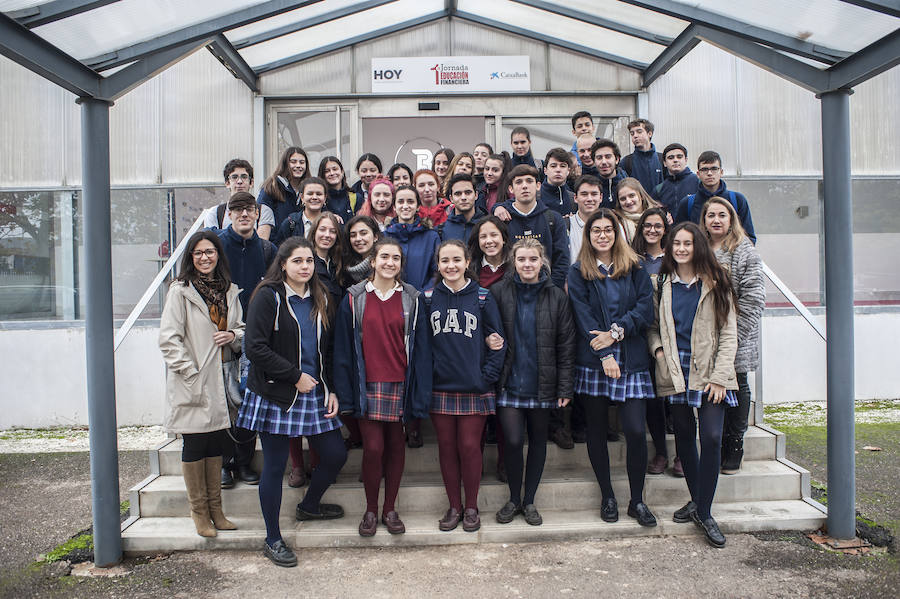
(617, 332)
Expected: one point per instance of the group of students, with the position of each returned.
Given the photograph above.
(482, 288)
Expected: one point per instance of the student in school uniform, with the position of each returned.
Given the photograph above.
(383, 352)
(694, 340)
(280, 193)
(362, 234)
(290, 388)
(415, 236)
(462, 316)
(631, 203)
(379, 204)
(613, 305)
(368, 168)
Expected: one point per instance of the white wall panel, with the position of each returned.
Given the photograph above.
(134, 136)
(874, 122)
(470, 39)
(430, 39)
(572, 71)
(329, 74)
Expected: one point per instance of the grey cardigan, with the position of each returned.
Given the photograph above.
(745, 268)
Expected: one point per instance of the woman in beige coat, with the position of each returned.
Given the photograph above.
(694, 340)
(201, 321)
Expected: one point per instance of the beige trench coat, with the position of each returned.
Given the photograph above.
(195, 389)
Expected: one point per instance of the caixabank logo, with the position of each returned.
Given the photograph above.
(508, 75)
(450, 74)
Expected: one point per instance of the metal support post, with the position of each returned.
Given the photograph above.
(838, 217)
(101, 379)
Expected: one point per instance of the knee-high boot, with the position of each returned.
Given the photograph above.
(214, 494)
(195, 483)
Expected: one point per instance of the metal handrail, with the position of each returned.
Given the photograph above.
(794, 300)
(160, 277)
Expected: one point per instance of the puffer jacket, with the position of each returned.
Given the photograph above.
(712, 348)
(745, 268)
(555, 338)
(195, 389)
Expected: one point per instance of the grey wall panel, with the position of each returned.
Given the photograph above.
(206, 117)
(470, 39)
(508, 106)
(874, 122)
(32, 126)
(329, 74)
(430, 39)
(572, 71)
(694, 104)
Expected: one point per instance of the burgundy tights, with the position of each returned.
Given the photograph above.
(384, 454)
(459, 453)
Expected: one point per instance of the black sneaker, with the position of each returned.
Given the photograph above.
(506, 514)
(640, 512)
(280, 554)
(327, 511)
(227, 479)
(686, 513)
(562, 438)
(714, 536)
(609, 510)
(532, 516)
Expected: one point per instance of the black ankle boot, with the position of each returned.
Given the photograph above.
(733, 449)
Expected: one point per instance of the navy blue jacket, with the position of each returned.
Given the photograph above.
(281, 210)
(646, 166)
(556, 198)
(350, 385)
(674, 187)
(248, 260)
(459, 326)
(291, 226)
(338, 202)
(419, 245)
(610, 190)
(530, 160)
(457, 227)
(548, 227)
(701, 195)
(328, 276)
(627, 301)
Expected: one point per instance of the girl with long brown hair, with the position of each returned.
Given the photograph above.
(280, 193)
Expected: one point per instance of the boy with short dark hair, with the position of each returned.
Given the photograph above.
(606, 160)
(554, 192)
(644, 164)
(679, 180)
(464, 214)
(238, 177)
(520, 139)
(582, 124)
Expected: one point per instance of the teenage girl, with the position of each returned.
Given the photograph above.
(400, 174)
(290, 386)
(280, 193)
(632, 201)
(201, 321)
(694, 340)
(613, 304)
(737, 254)
(433, 207)
(379, 203)
(462, 315)
(418, 241)
(481, 153)
(652, 230)
(494, 189)
(537, 371)
(383, 350)
(368, 167)
(489, 248)
(341, 200)
(440, 164)
(461, 164)
(312, 202)
(362, 233)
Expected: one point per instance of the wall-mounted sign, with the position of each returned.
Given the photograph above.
(450, 74)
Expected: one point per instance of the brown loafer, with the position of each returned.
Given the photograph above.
(450, 520)
(393, 523)
(657, 465)
(297, 478)
(369, 525)
(471, 520)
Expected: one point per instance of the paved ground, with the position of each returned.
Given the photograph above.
(45, 498)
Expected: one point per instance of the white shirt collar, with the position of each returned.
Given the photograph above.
(453, 290)
(533, 206)
(484, 262)
(677, 279)
(383, 296)
(290, 292)
(607, 267)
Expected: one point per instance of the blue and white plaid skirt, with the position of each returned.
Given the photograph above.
(384, 401)
(509, 400)
(305, 418)
(690, 397)
(454, 403)
(594, 383)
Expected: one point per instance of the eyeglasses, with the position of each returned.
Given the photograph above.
(249, 210)
(236, 177)
(654, 227)
(210, 253)
(602, 230)
(709, 169)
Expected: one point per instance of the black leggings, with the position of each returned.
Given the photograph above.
(701, 472)
(514, 421)
(197, 446)
(632, 413)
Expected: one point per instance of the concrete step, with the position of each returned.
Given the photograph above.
(573, 489)
(148, 535)
(759, 444)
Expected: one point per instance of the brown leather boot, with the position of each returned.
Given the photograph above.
(214, 494)
(195, 483)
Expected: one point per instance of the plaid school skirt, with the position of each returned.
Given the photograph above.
(454, 403)
(691, 397)
(594, 383)
(510, 400)
(384, 401)
(305, 418)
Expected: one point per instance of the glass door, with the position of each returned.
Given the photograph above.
(321, 130)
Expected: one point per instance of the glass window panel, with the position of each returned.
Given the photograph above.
(301, 14)
(626, 14)
(313, 131)
(11, 5)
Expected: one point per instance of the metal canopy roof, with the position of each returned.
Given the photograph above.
(103, 48)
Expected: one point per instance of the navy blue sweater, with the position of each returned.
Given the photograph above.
(549, 228)
(684, 308)
(610, 188)
(528, 159)
(556, 198)
(291, 226)
(419, 245)
(281, 210)
(459, 325)
(674, 187)
(523, 378)
(646, 166)
(338, 202)
(701, 195)
(248, 260)
(457, 227)
(626, 301)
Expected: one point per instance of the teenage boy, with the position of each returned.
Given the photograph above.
(582, 124)
(530, 218)
(709, 167)
(238, 177)
(521, 146)
(464, 213)
(679, 181)
(606, 155)
(249, 256)
(583, 146)
(588, 198)
(554, 192)
(644, 164)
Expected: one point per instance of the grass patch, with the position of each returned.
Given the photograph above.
(79, 546)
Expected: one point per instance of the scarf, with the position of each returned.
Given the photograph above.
(437, 214)
(212, 290)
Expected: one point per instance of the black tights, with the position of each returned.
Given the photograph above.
(514, 421)
(632, 413)
(197, 446)
(701, 472)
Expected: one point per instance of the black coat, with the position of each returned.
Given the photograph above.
(556, 338)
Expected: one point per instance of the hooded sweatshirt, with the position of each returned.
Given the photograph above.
(529, 160)
(646, 166)
(674, 187)
(339, 203)
(547, 227)
(556, 198)
(419, 245)
(457, 227)
(610, 188)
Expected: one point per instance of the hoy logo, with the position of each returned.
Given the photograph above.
(387, 74)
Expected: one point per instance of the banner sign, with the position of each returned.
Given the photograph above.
(450, 74)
